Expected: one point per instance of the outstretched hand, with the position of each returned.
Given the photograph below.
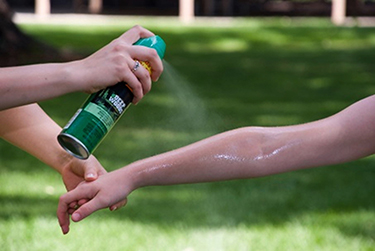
(106, 191)
(78, 171)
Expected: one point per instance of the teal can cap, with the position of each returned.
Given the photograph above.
(154, 42)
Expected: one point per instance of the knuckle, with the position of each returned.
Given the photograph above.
(120, 46)
(153, 53)
(62, 199)
(137, 27)
(137, 90)
(145, 75)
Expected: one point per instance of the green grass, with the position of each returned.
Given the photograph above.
(219, 75)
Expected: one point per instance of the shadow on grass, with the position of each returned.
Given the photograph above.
(26, 207)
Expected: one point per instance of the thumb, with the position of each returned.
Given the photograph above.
(91, 173)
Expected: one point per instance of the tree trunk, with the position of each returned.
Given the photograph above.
(18, 48)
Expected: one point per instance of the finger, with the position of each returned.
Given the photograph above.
(144, 78)
(85, 210)
(133, 82)
(63, 215)
(150, 55)
(135, 33)
(64, 209)
(82, 201)
(73, 204)
(119, 205)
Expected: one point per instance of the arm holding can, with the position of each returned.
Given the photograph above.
(111, 64)
(242, 153)
(32, 130)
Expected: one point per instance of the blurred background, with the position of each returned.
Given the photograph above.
(201, 7)
(228, 64)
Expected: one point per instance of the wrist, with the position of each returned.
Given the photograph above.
(134, 175)
(63, 160)
(73, 78)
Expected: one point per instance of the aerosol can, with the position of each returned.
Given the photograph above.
(100, 112)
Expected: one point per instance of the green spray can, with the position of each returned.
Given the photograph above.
(99, 113)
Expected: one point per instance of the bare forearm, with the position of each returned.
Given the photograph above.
(28, 84)
(254, 152)
(30, 129)
(238, 154)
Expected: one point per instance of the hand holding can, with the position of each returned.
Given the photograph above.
(99, 113)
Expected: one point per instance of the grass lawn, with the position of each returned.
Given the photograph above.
(219, 75)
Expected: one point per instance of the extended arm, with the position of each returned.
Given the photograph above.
(112, 64)
(238, 154)
(259, 151)
(29, 128)
(32, 130)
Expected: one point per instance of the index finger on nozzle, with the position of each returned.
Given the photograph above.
(135, 33)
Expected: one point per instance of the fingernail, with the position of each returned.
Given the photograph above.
(90, 176)
(76, 217)
(113, 208)
(65, 230)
